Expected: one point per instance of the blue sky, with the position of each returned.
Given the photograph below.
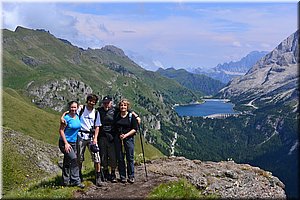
(167, 34)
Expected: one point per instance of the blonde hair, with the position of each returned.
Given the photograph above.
(125, 101)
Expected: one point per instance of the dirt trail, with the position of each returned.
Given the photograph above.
(140, 189)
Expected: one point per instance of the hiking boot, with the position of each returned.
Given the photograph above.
(80, 176)
(60, 164)
(113, 177)
(65, 184)
(123, 180)
(78, 185)
(131, 180)
(98, 179)
(81, 185)
(106, 175)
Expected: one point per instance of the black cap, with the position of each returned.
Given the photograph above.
(106, 99)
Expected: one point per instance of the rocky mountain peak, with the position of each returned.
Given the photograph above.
(285, 54)
(115, 50)
(273, 79)
(243, 65)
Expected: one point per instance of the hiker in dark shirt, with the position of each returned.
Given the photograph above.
(106, 139)
(126, 126)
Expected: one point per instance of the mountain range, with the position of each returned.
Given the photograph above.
(227, 71)
(272, 80)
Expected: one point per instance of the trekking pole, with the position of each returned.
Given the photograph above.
(143, 152)
(122, 143)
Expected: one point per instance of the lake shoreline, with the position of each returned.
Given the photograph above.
(201, 102)
(207, 107)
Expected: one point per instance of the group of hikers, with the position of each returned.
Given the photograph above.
(107, 131)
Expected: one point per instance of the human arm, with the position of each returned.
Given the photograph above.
(62, 118)
(62, 135)
(128, 134)
(95, 139)
(133, 129)
(97, 128)
(137, 117)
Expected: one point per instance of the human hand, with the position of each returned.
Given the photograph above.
(95, 141)
(122, 136)
(63, 121)
(67, 148)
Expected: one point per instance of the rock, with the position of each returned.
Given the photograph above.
(115, 50)
(226, 178)
(54, 94)
(37, 152)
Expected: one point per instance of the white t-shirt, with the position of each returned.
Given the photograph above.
(87, 121)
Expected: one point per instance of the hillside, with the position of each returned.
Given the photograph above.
(270, 93)
(201, 84)
(51, 72)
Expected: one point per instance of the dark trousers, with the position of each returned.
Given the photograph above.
(122, 150)
(107, 153)
(70, 169)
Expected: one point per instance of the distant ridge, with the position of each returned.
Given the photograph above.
(199, 83)
(227, 71)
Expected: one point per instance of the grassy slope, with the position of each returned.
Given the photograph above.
(15, 167)
(21, 116)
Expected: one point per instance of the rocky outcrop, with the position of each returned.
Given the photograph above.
(41, 155)
(226, 178)
(115, 50)
(55, 93)
(272, 79)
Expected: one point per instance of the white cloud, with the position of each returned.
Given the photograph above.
(158, 63)
(203, 36)
(236, 44)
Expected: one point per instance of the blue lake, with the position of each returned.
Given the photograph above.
(209, 107)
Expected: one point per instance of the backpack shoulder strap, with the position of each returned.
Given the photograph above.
(81, 111)
(96, 114)
(130, 116)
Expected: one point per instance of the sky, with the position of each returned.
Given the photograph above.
(179, 34)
